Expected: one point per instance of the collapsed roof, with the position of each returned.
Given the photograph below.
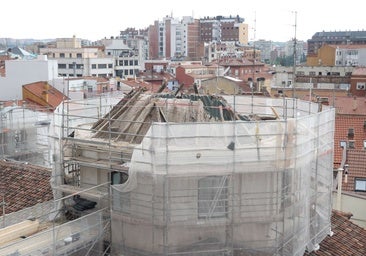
(131, 118)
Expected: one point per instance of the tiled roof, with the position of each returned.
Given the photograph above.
(359, 71)
(350, 106)
(148, 75)
(348, 238)
(339, 34)
(23, 185)
(99, 79)
(192, 66)
(356, 160)
(348, 46)
(342, 125)
(42, 89)
(237, 62)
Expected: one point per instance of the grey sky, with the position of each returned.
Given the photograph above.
(270, 20)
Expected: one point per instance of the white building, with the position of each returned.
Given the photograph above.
(20, 72)
(350, 55)
(127, 61)
(77, 61)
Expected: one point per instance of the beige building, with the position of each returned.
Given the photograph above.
(77, 61)
(221, 85)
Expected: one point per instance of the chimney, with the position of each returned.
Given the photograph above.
(354, 105)
(46, 87)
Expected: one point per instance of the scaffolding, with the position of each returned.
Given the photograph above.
(76, 222)
(24, 134)
(193, 175)
(81, 236)
(208, 175)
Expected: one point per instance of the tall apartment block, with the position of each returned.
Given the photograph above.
(224, 29)
(335, 38)
(173, 38)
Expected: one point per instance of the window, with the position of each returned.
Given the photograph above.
(351, 132)
(361, 86)
(351, 144)
(79, 55)
(94, 66)
(212, 197)
(60, 66)
(62, 55)
(118, 177)
(110, 66)
(70, 55)
(360, 184)
(121, 201)
(343, 144)
(100, 66)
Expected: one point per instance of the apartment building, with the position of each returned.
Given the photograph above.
(77, 61)
(221, 28)
(335, 38)
(338, 55)
(127, 61)
(172, 38)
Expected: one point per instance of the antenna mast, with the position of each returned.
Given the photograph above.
(294, 64)
(254, 57)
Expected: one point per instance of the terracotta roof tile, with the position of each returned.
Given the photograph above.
(350, 106)
(359, 71)
(23, 185)
(348, 239)
(348, 46)
(46, 95)
(342, 125)
(356, 159)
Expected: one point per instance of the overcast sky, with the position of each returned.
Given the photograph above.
(267, 19)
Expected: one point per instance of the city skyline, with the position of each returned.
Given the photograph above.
(267, 20)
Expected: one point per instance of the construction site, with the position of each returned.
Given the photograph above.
(181, 174)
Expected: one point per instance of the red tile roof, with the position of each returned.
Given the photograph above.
(356, 160)
(359, 71)
(23, 185)
(348, 239)
(45, 94)
(350, 106)
(148, 86)
(348, 46)
(342, 125)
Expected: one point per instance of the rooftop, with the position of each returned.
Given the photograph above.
(348, 238)
(23, 185)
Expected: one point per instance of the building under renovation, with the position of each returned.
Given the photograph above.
(24, 134)
(162, 174)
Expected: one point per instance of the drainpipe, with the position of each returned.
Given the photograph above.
(339, 178)
(339, 189)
